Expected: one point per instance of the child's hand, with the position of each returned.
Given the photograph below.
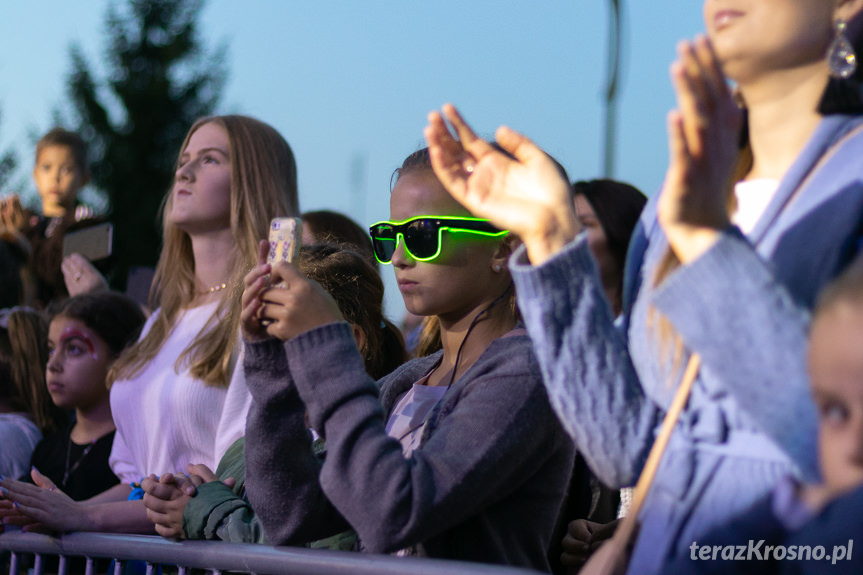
(527, 195)
(46, 506)
(12, 218)
(165, 498)
(299, 306)
(80, 276)
(255, 282)
(200, 474)
(582, 538)
(815, 497)
(10, 514)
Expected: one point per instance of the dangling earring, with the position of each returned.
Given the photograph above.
(497, 267)
(840, 56)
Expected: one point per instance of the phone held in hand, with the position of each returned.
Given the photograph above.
(285, 239)
(94, 243)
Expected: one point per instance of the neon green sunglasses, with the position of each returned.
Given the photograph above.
(422, 235)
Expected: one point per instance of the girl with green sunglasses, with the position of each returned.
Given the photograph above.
(422, 235)
(456, 455)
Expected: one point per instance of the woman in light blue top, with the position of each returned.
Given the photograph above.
(730, 276)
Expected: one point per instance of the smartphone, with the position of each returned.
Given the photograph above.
(286, 235)
(94, 243)
(285, 238)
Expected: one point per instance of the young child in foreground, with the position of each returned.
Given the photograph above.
(810, 528)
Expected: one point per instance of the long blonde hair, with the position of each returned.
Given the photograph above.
(263, 186)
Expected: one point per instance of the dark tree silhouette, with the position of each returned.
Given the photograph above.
(8, 163)
(160, 80)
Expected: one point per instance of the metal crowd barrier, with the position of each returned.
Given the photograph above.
(217, 557)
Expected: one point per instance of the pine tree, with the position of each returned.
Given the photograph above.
(8, 164)
(160, 80)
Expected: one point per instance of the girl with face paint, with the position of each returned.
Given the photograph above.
(85, 337)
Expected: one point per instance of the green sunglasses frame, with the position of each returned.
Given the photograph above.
(462, 224)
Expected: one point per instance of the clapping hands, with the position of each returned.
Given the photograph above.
(524, 193)
(703, 135)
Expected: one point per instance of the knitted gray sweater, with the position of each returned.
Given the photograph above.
(486, 483)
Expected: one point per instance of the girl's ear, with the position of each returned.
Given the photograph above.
(501, 255)
(359, 336)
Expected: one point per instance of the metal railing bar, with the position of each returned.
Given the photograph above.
(247, 558)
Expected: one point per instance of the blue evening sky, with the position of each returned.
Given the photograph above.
(349, 82)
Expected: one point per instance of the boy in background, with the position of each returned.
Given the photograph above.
(60, 171)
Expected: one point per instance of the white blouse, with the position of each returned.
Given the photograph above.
(752, 196)
(165, 419)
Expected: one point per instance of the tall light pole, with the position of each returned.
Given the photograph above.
(615, 42)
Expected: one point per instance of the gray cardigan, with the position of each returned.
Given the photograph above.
(485, 485)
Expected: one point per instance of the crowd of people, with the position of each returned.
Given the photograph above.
(559, 323)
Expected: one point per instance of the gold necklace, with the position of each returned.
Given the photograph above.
(214, 289)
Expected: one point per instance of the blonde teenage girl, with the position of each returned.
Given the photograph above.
(179, 394)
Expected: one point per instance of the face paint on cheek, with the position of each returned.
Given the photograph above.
(80, 335)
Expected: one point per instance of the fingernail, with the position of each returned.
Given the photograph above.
(36, 470)
(3, 491)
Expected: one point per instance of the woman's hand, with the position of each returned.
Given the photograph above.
(80, 276)
(297, 306)
(255, 282)
(527, 195)
(703, 138)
